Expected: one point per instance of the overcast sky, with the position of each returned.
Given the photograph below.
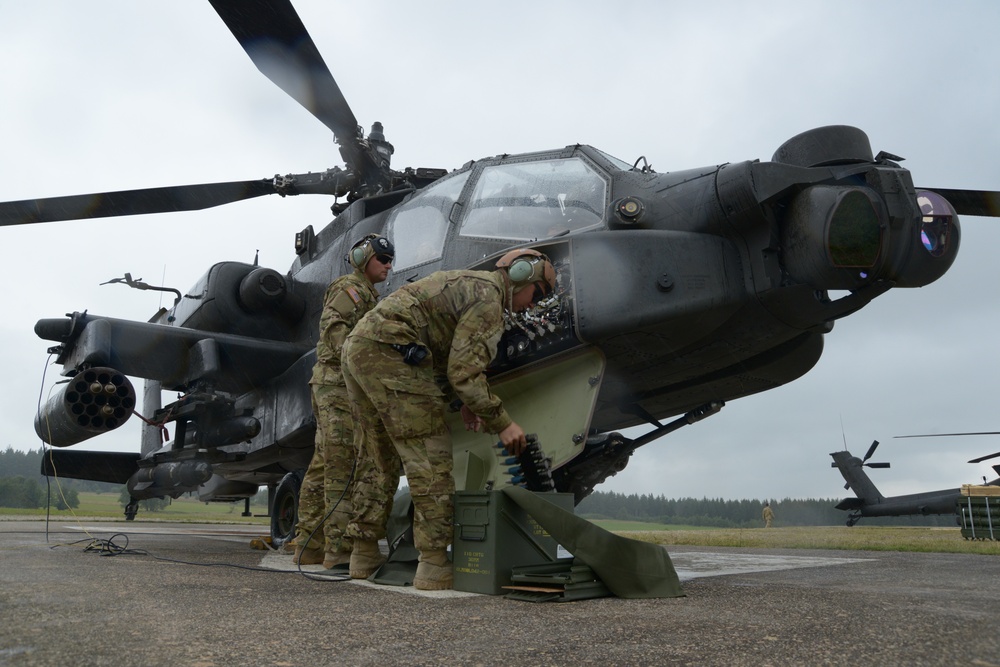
(104, 96)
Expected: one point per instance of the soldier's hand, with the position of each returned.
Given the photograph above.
(473, 422)
(513, 439)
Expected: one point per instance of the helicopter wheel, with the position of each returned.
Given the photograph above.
(284, 511)
(833, 144)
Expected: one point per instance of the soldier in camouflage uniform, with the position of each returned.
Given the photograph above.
(768, 515)
(424, 344)
(325, 483)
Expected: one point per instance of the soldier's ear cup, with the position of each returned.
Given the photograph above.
(520, 271)
(358, 255)
(362, 250)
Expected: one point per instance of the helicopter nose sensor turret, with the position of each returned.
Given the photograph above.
(845, 236)
(935, 247)
(865, 226)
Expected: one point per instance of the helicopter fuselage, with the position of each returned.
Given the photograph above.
(693, 288)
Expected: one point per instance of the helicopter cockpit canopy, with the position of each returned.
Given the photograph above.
(419, 226)
(516, 201)
(523, 201)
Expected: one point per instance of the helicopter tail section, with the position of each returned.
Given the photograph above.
(857, 480)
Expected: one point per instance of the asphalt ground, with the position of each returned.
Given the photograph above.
(199, 595)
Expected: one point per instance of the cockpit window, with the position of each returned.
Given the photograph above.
(525, 201)
(418, 228)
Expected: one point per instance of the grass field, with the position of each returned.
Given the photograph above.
(184, 509)
(616, 526)
(866, 538)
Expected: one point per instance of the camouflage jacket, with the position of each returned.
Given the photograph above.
(458, 317)
(346, 300)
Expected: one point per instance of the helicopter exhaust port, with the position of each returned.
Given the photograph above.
(92, 402)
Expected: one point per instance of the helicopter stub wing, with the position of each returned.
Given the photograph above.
(99, 353)
(173, 356)
(110, 467)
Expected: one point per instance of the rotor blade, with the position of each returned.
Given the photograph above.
(878, 465)
(131, 202)
(336, 182)
(272, 34)
(946, 435)
(972, 202)
(871, 450)
(985, 458)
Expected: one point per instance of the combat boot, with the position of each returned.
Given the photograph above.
(335, 558)
(433, 571)
(307, 555)
(365, 559)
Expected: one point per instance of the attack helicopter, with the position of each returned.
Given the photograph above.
(871, 503)
(678, 291)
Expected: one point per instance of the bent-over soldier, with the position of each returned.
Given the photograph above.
(425, 343)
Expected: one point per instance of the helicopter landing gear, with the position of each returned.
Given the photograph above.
(853, 518)
(284, 509)
(131, 508)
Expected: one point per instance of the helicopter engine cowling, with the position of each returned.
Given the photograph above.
(92, 402)
(238, 298)
(265, 290)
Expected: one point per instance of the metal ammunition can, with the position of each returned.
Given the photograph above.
(493, 535)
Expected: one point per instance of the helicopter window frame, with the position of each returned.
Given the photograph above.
(529, 194)
(617, 163)
(419, 227)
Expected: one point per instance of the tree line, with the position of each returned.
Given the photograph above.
(22, 485)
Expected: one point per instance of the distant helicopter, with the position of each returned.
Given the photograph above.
(870, 502)
(676, 293)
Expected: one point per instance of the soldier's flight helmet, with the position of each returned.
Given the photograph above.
(527, 267)
(371, 245)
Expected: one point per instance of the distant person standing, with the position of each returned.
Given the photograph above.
(767, 515)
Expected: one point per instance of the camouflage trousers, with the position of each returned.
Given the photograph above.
(400, 419)
(326, 480)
